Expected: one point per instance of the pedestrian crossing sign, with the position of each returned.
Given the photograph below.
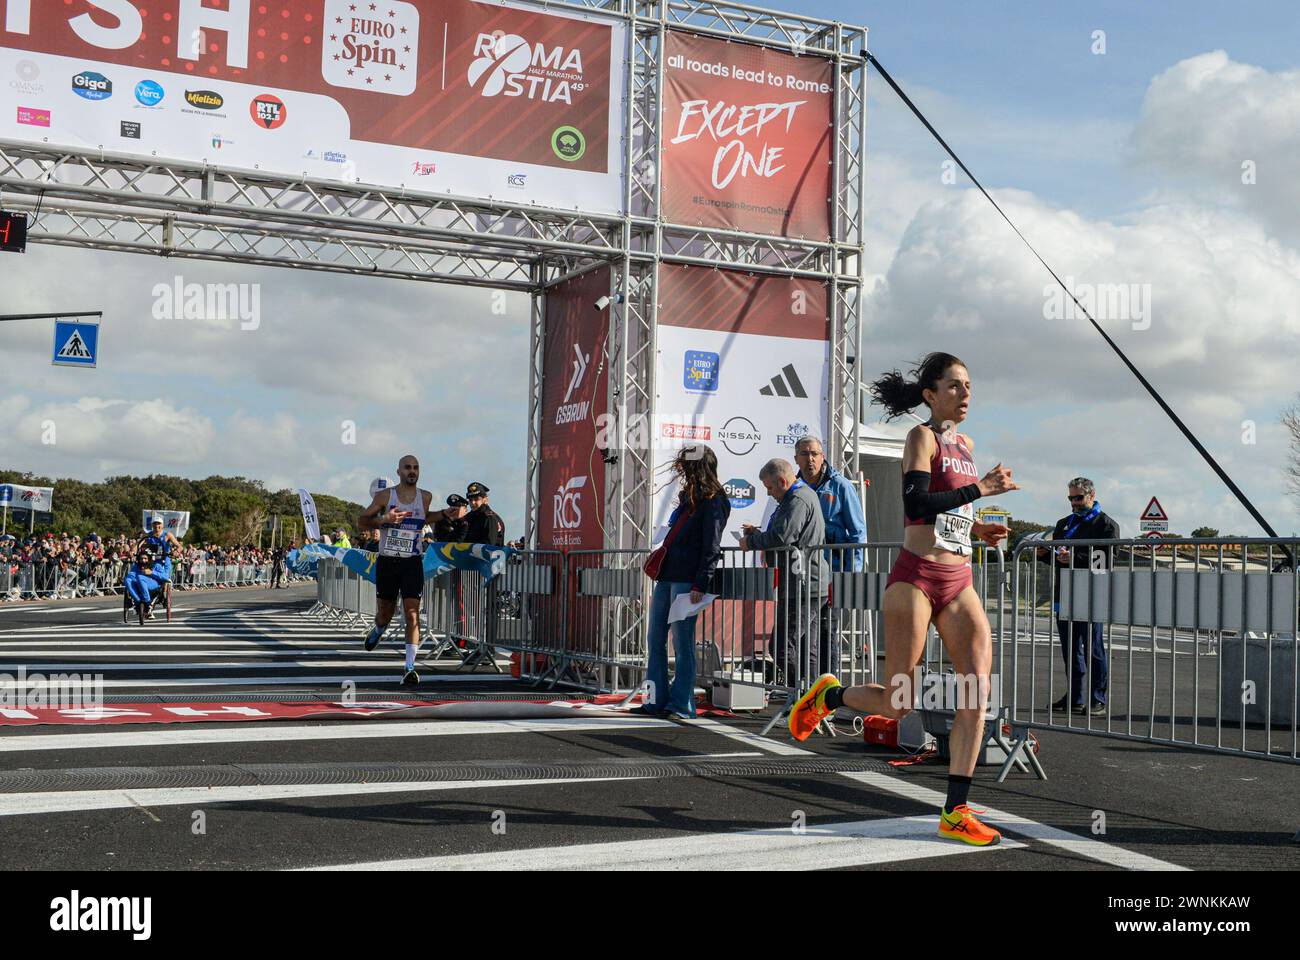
(76, 344)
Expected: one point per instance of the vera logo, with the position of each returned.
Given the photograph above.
(149, 93)
(204, 99)
(505, 64)
(739, 492)
(568, 143)
(268, 111)
(700, 373)
(372, 46)
(92, 86)
(568, 504)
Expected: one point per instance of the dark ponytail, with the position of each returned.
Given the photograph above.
(898, 395)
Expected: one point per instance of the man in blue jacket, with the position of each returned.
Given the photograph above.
(842, 512)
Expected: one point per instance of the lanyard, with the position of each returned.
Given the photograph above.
(1077, 521)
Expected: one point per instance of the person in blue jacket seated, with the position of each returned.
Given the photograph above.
(691, 550)
(152, 567)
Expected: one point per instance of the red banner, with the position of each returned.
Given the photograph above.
(340, 88)
(747, 138)
(574, 390)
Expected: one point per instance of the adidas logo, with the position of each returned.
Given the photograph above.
(785, 384)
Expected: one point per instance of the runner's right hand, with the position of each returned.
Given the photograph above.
(396, 516)
(997, 480)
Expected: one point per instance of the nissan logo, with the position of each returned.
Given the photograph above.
(739, 436)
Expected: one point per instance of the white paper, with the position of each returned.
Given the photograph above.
(683, 608)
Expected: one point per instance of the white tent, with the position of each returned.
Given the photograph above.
(880, 457)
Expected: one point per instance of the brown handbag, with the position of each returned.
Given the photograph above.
(656, 559)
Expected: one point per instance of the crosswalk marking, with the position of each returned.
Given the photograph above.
(191, 735)
(816, 847)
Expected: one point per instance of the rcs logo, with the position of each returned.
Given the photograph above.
(567, 502)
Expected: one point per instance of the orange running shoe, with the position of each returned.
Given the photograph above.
(810, 709)
(961, 824)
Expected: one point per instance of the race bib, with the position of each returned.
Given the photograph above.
(399, 542)
(952, 530)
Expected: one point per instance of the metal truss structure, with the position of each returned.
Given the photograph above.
(97, 199)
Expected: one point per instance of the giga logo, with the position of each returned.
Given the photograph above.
(568, 506)
(739, 492)
(92, 86)
(505, 64)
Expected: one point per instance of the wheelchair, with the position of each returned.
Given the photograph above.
(145, 611)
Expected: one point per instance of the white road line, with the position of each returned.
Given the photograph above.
(750, 738)
(1090, 847)
(819, 847)
(19, 804)
(40, 666)
(305, 681)
(281, 731)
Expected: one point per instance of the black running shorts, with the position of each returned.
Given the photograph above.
(399, 574)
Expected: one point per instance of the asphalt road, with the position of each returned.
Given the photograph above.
(581, 791)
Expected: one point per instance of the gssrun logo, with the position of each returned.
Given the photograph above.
(75, 913)
(507, 65)
(568, 412)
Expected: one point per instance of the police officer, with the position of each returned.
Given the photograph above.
(453, 527)
(483, 525)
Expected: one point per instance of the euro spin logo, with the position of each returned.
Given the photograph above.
(567, 504)
(505, 64)
(373, 47)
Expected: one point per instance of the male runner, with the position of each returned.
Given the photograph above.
(399, 514)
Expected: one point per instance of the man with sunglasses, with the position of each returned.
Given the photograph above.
(1085, 522)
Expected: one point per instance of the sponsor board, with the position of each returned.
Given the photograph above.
(501, 91)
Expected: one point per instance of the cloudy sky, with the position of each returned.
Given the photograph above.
(1123, 167)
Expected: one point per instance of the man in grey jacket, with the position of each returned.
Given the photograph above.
(797, 523)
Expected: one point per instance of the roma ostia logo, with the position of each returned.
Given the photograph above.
(568, 143)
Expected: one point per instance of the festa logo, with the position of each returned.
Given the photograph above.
(700, 372)
(149, 93)
(739, 492)
(567, 503)
(268, 111)
(792, 433)
(92, 86)
(373, 46)
(505, 64)
(34, 116)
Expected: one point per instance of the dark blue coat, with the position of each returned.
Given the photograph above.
(695, 550)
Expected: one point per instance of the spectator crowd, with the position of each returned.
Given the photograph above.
(67, 566)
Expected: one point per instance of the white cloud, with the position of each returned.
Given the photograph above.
(1206, 116)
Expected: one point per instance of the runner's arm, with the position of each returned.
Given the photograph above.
(372, 517)
(918, 502)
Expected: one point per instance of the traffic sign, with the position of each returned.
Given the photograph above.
(76, 344)
(1153, 517)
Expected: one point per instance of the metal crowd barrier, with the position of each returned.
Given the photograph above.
(1199, 638)
(32, 581)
